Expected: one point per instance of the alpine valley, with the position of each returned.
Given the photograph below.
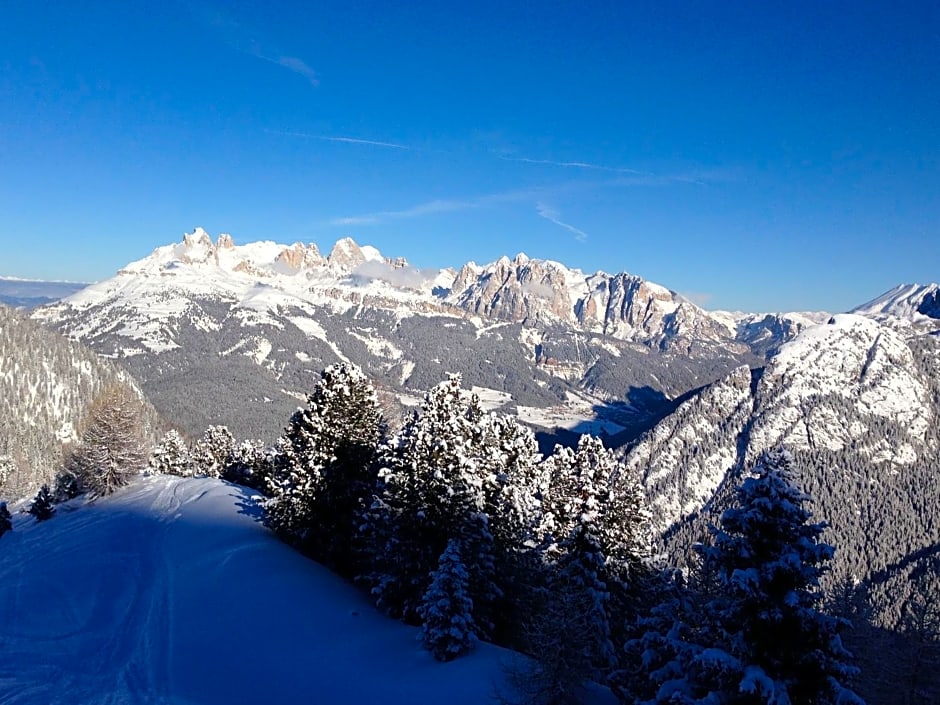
(219, 333)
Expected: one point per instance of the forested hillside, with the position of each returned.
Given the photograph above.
(46, 382)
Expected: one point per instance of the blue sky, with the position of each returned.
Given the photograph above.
(754, 156)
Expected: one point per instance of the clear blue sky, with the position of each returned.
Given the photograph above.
(754, 156)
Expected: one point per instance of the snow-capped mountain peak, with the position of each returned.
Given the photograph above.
(911, 302)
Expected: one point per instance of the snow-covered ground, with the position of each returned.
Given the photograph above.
(578, 414)
(172, 592)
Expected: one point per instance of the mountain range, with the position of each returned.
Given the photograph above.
(202, 321)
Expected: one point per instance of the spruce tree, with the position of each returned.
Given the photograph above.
(765, 639)
(597, 531)
(247, 465)
(446, 609)
(42, 506)
(582, 567)
(212, 452)
(324, 474)
(171, 455)
(431, 490)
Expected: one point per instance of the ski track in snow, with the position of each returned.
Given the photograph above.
(170, 593)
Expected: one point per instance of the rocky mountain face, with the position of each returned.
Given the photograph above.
(620, 306)
(562, 348)
(46, 381)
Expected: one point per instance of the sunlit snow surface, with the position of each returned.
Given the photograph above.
(171, 592)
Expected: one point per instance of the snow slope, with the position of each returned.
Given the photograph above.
(907, 301)
(172, 592)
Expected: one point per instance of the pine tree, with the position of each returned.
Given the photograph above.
(171, 455)
(6, 521)
(325, 472)
(212, 452)
(112, 447)
(597, 531)
(42, 506)
(247, 465)
(582, 567)
(514, 482)
(446, 609)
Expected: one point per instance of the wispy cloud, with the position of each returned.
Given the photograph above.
(576, 165)
(245, 40)
(291, 63)
(553, 216)
(437, 206)
(342, 139)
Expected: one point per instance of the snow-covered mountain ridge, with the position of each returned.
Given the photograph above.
(533, 331)
(263, 276)
(910, 303)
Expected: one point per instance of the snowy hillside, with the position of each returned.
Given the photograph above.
(172, 592)
(857, 402)
(850, 385)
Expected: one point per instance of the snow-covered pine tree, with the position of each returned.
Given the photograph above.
(325, 473)
(211, 453)
(431, 490)
(111, 449)
(514, 481)
(42, 506)
(597, 543)
(7, 468)
(582, 566)
(6, 521)
(766, 640)
(247, 465)
(446, 610)
(171, 455)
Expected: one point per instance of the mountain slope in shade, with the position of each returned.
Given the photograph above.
(171, 591)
